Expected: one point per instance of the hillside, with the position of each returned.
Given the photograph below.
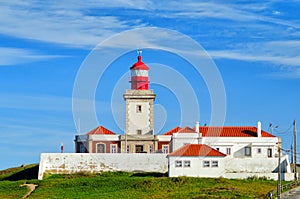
(127, 185)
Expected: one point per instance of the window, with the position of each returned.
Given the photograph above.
(214, 163)
(100, 148)
(247, 151)
(258, 150)
(138, 108)
(151, 149)
(81, 148)
(269, 153)
(127, 149)
(187, 163)
(206, 164)
(218, 149)
(165, 149)
(228, 151)
(113, 148)
(178, 163)
(139, 132)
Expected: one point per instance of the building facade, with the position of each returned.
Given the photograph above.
(228, 151)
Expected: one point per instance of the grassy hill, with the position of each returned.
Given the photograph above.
(127, 185)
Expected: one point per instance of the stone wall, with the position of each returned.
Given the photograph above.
(67, 163)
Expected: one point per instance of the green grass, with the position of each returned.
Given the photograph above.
(128, 185)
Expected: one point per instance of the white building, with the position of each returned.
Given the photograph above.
(196, 160)
(241, 151)
(247, 151)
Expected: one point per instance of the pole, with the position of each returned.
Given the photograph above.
(279, 171)
(295, 152)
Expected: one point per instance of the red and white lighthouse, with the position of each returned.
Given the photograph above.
(139, 110)
(139, 75)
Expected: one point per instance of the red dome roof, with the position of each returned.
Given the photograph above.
(139, 65)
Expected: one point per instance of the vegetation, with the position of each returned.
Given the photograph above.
(128, 185)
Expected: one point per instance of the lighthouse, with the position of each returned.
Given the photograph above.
(139, 128)
(139, 75)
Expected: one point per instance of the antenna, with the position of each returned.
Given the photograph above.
(139, 52)
(78, 129)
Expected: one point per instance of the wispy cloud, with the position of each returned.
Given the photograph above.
(62, 23)
(12, 56)
(280, 52)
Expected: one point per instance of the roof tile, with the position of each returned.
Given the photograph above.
(196, 150)
(227, 131)
(100, 130)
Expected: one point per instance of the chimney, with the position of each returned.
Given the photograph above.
(197, 127)
(259, 129)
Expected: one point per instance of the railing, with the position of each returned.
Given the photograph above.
(285, 187)
(289, 185)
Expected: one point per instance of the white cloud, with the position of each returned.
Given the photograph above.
(59, 23)
(277, 52)
(12, 56)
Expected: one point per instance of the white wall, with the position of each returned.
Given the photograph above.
(196, 168)
(139, 121)
(271, 176)
(66, 163)
(181, 139)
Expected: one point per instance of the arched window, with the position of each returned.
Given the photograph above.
(100, 148)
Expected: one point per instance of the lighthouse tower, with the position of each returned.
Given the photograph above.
(139, 132)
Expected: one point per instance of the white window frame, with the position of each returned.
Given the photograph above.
(178, 163)
(165, 148)
(250, 152)
(186, 163)
(206, 164)
(228, 151)
(100, 144)
(214, 163)
(270, 155)
(113, 148)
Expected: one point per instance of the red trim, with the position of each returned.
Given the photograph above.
(139, 83)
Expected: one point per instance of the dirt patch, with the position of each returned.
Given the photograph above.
(31, 189)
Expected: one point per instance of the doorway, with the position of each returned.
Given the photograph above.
(139, 148)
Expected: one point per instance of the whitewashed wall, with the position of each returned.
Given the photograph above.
(66, 163)
(139, 121)
(196, 168)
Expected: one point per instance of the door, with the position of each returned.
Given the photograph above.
(139, 148)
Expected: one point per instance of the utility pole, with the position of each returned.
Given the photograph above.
(295, 152)
(279, 170)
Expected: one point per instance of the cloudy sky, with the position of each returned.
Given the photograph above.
(45, 44)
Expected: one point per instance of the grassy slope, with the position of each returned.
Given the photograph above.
(126, 185)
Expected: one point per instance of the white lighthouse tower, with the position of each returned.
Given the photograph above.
(139, 132)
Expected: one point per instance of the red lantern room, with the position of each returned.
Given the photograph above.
(139, 75)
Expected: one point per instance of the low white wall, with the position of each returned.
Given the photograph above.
(271, 176)
(66, 163)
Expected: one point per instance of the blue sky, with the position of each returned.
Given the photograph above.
(255, 47)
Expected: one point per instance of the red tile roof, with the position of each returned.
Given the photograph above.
(100, 130)
(196, 150)
(186, 129)
(227, 131)
(174, 130)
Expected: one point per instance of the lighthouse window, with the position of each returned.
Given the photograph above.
(138, 108)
